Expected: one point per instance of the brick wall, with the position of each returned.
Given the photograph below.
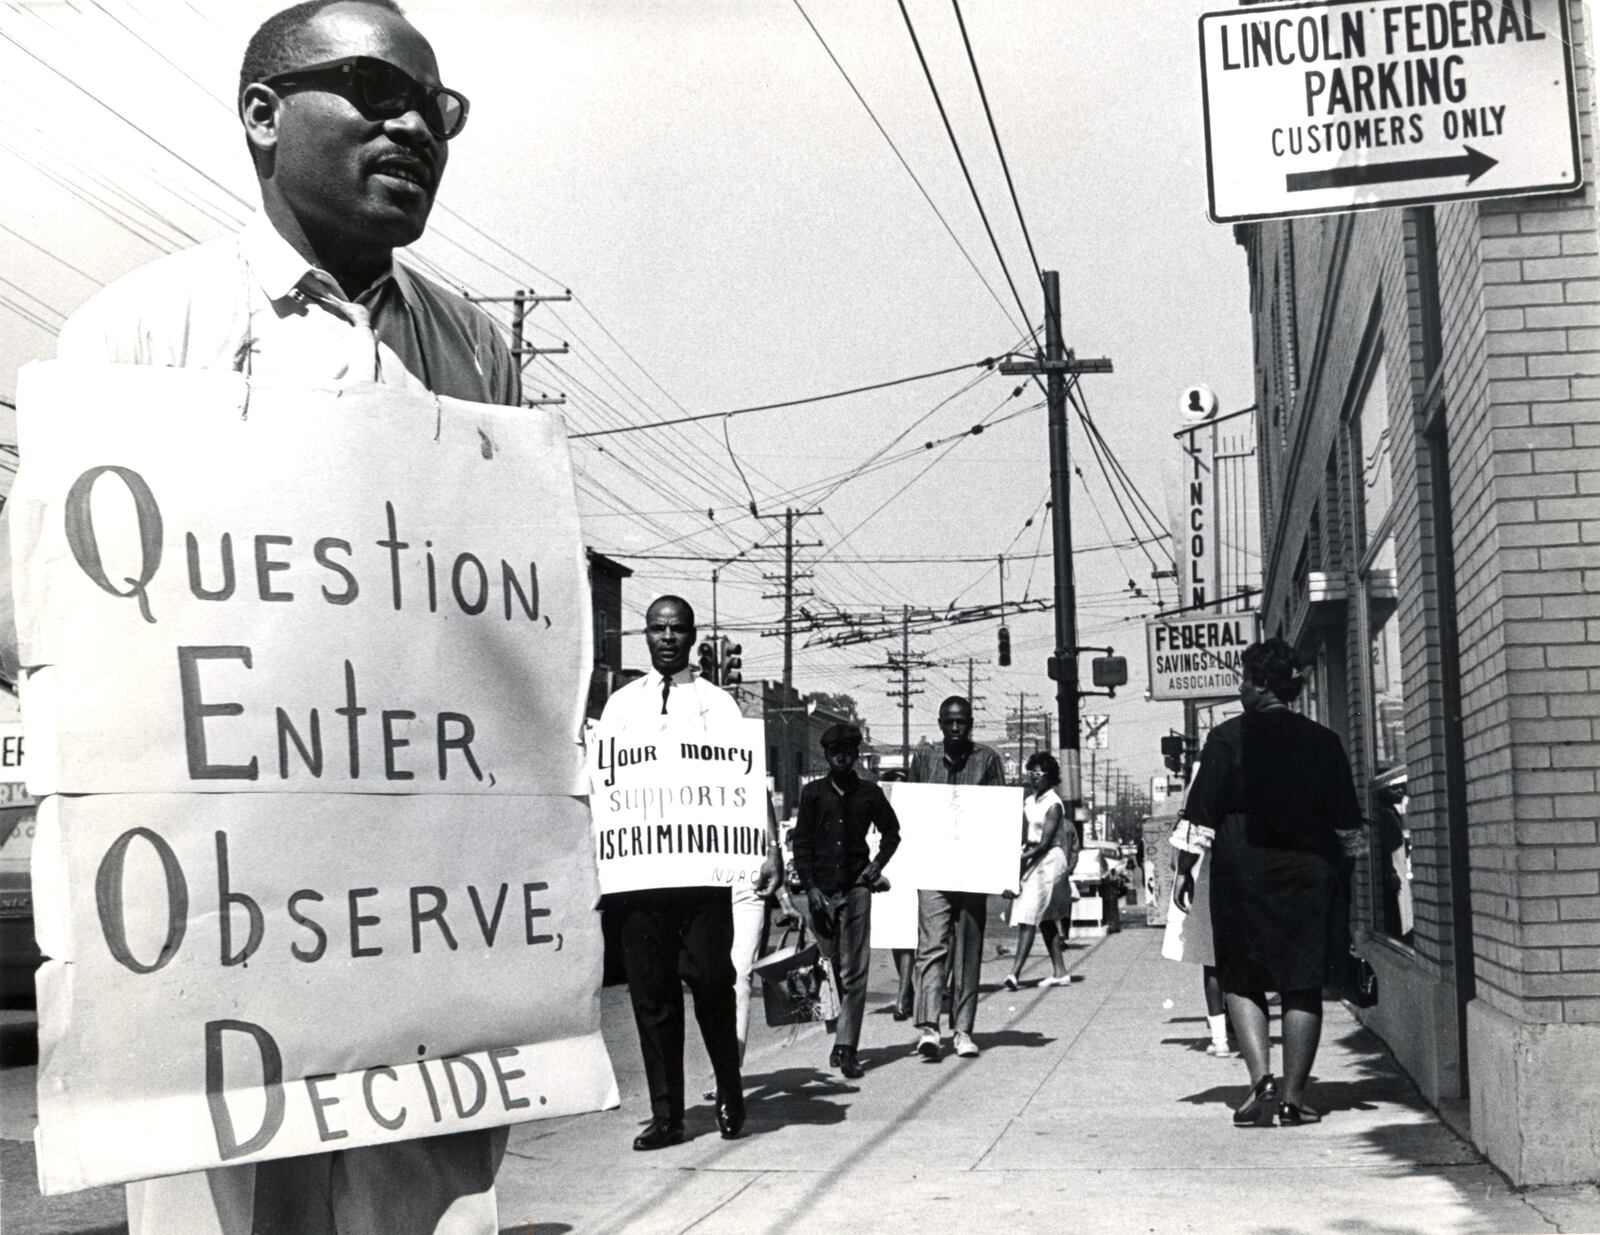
(1519, 309)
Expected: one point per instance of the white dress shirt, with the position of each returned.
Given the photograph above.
(691, 701)
(251, 303)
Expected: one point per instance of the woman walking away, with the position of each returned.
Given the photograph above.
(1275, 790)
(1048, 847)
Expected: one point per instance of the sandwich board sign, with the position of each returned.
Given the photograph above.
(1351, 105)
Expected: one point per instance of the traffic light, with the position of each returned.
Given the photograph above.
(1172, 753)
(732, 664)
(1005, 647)
(708, 661)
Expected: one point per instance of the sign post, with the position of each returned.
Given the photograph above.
(1351, 105)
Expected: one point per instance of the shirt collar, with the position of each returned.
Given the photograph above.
(681, 678)
(280, 269)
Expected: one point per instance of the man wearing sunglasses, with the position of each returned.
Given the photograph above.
(348, 128)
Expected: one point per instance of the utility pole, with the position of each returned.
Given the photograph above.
(973, 697)
(789, 516)
(519, 302)
(1055, 366)
(1022, 725)
(903, 665)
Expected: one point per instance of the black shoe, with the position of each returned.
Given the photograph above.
(849, 1066)
(1293, 1114)
(902, 1014)
(659, 1135)
(836, 1058)
(1260, 1104)
(730, 1116)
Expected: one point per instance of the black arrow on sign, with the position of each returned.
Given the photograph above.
(1472, 164)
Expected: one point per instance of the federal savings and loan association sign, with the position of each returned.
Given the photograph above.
(1323, 107)
(1198, 658)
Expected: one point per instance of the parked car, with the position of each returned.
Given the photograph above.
(19, 954)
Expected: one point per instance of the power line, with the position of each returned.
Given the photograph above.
(903, 163)
(995, 133)
(961, 159)
(987, 362)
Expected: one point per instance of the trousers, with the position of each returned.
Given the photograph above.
(440, 1185)
(843, 935)
(672, 937)
(950, 928)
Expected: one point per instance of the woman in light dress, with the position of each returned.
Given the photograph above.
(1050, 843)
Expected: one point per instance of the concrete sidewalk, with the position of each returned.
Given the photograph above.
(1093, 1108)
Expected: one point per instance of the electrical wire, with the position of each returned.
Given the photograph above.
(961, 159)
(939, 214)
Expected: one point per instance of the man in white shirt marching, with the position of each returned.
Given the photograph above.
(676, 936)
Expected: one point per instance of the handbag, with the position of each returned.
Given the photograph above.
(1357, 981)
(796, 987)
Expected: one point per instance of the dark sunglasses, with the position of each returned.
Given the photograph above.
(381, 92)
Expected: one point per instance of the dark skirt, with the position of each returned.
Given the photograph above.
(1279, 917)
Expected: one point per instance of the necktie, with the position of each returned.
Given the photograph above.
(331, 297)
(666, 689)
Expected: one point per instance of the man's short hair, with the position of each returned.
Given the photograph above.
(687, 608)
(279, 44)
(949, 699)
(844, 734)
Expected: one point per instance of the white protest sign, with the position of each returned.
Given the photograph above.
(678, 808)
(381, 593)
(231, 980)
(956, 838)
(1311, 108)
(320, 881)
(1198, 658)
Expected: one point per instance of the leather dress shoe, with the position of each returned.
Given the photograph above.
(730, 1116)
(849, 1066)
(836, 1058)
(1293, 1114)
(658, 1135)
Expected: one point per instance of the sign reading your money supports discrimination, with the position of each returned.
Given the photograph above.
(1311, 108)
(305, 680)
(676, 808)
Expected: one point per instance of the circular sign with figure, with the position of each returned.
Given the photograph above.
(1197, 403)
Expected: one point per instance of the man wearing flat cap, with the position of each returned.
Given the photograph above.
(831, 858)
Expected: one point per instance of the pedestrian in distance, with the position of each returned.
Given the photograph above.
(672, 937)
(349, 128)
(1049, 845)
(1276, 794)
(1188, 930)
(832, 858)
(950, 924)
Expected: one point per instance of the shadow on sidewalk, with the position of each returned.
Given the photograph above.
(795, 1096)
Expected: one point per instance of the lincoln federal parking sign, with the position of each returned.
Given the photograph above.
(1312, 108)
(1198, 657)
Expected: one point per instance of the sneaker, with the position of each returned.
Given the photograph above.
(965, 1046)
(1011, 982)
(1222, 1050)
(1064, 980)
(928, 1044)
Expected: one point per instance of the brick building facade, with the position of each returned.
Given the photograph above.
(1428, 386)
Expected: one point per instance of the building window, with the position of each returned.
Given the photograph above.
(1383, 685)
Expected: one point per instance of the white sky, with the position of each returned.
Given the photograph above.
(702, 178)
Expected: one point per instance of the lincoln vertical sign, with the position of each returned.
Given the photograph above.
(1199, 578)
(1314, 108)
